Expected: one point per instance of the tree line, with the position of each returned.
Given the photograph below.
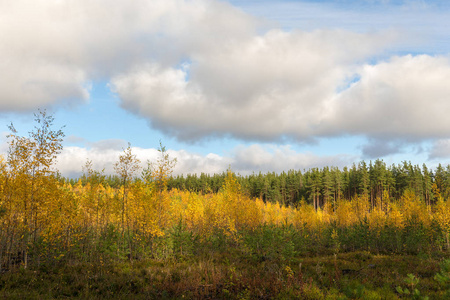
(375, 180)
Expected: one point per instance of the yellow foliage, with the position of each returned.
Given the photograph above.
(442, 214)
(395, 216)
(307, 218)
(345, 214)
(361, 207)
(376, 219)
(414, 209)
(59, 212)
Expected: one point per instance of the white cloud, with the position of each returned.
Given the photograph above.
(199, 68)
(243, 160)
(440, 149)
(403, 98)
(400, 100)
(262, 88)
(71, 160)
(393, 103)
(273, 158)
(376, 148)
(51, 50)
(110, 144)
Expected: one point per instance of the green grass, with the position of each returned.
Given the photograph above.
(229, 274)
(267, 263)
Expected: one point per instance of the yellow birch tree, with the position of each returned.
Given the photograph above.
(29, 170)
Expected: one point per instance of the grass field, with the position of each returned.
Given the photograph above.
(228, 273)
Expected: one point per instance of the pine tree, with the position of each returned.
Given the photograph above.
(427, 184)
(363, 179)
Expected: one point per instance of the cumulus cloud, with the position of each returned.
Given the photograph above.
(109, 144)
(440, 149)
(71, 160)
(405, 97)
(4, 142)
(376, 148)
(398, 101)
(278, 84)
(73, 139)
(198, 68)
(282, 158)
(51, 50)
(243, 160)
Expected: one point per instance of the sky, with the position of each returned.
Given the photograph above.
(246, 85)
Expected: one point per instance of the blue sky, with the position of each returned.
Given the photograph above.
(251, 85)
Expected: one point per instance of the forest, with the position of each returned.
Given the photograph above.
(330, 184)
(319, 186)
(370, 231)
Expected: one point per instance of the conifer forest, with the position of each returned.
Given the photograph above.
(368, 231)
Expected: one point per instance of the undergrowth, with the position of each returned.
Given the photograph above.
(267, 263)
